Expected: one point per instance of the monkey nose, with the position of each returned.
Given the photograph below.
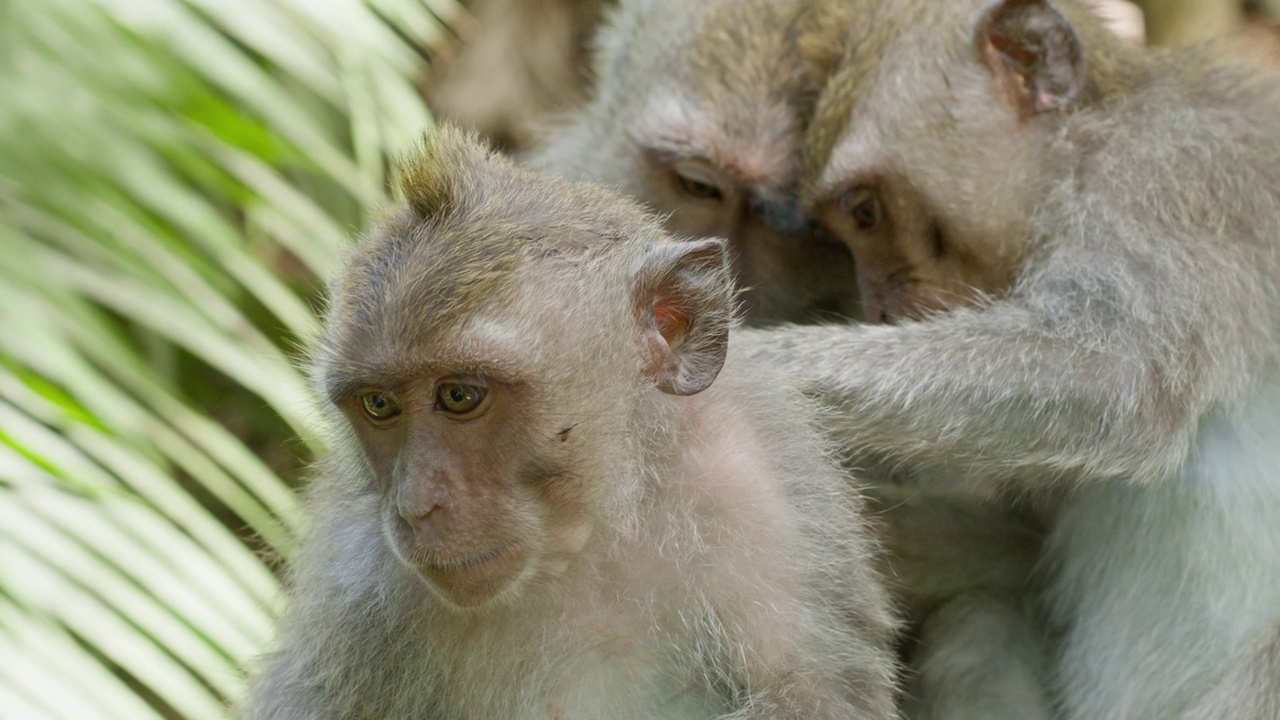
(428, 524)
(428, 527)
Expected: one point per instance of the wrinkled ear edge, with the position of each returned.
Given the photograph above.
(1041, 67)
(683, 297)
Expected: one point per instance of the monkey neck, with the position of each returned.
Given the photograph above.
(667, 422)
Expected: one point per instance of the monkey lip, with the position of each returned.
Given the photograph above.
(471, 580)
(456, 564)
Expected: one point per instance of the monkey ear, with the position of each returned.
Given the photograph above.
(1033, 52)
(683, 295)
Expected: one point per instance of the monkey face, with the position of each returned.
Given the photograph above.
(786, 272)
(929, 169)
(908, 266)
(450, 474)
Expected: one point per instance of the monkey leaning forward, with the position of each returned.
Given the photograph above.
(1079, 244)
(539, 506)
(698, 113)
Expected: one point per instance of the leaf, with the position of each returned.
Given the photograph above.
(176, 179)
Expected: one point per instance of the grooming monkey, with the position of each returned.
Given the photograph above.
(1077, 244)
(697, 113)
(540, 506)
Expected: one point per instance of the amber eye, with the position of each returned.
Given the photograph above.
(863, 207)
(698, 189)
(458, 398)
(697, 181)
(380, 407)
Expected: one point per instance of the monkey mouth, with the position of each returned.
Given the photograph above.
(457, 564)
(475, 579)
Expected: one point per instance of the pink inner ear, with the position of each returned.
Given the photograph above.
(666, 316)
(671, 320)
(1016, 52)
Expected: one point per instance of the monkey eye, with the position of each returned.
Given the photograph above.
(863, 207)
(697, 181)
(461, 398)
(380, 407)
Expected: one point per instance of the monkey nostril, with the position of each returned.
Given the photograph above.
(428, 526)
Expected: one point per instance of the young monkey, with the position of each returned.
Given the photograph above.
(539, 505)
(1102, 228)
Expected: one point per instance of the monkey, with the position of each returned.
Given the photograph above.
(538, 503)
(964, 574)
(697, 112)
(1071, 244)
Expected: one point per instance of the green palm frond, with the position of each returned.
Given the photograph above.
(174, 176)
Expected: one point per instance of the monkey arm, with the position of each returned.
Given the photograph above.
(1248, 691)
(996, 390)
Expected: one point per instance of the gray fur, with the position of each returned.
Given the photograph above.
(1135, 362)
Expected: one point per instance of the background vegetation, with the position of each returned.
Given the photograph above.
(174, 176)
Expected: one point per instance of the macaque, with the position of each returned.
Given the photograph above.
(1074, 245)
(538, 505)
(698, 114)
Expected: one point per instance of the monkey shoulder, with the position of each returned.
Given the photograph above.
(1182, 171)
(770, 445)
(1181, 138)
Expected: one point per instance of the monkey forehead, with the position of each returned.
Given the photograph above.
(496, 347)
(422, 300)
(854, 156)
(756, 149)
(882, 64)
(412, 269)
(717, 80)
(889, 101)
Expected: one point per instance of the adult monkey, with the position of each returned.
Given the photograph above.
(1102, 228)
(539, 504)
(697, 113)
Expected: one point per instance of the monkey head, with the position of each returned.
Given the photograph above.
(489, 348)
(697, 114)
(928, 151)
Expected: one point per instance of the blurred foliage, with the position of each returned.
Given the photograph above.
(174, 176)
